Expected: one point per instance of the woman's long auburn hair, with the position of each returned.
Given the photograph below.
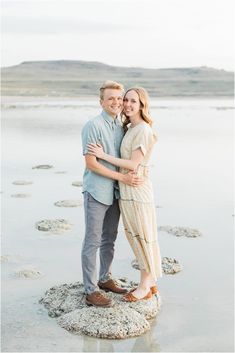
(144, 107)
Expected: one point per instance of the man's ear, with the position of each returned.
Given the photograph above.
(101, 101)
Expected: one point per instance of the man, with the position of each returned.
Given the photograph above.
(101, 194)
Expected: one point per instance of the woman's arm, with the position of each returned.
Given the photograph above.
(131, 164)
(130, 178)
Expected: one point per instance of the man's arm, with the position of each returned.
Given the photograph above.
(136, 157)
(96, 167)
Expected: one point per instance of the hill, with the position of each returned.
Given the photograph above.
(76, 78)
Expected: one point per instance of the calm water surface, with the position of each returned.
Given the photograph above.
(191, 169)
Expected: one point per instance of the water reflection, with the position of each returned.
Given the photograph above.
(91, 344)
(144, 343)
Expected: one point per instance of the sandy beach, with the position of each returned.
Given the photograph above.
(191, 170)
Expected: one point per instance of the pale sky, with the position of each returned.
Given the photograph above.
(144, 33)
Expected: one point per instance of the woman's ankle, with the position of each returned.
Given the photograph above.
(153, 284)
(143, 287)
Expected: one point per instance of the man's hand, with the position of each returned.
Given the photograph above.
(132, 179)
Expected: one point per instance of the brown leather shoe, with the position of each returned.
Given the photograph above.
(111, 286)
(98, 299)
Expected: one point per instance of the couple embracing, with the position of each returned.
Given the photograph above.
(116, 179)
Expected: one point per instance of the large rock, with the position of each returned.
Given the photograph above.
(123, 320)
(181, 231)
(112, 323)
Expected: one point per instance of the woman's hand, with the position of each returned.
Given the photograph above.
(96, 150)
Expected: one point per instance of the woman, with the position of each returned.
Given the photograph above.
(137, 203)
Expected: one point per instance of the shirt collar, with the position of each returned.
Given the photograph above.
(108, 117)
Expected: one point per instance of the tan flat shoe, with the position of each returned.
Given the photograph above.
(153, 289)
(129, 297)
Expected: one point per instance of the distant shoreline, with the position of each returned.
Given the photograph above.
(63, 79)
(11, 99)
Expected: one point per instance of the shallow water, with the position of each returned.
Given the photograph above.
(192, 176)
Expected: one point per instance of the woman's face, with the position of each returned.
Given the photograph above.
(131, 104)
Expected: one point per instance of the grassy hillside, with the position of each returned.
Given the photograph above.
(76, 78)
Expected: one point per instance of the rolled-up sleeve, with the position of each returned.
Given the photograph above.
(90, 134)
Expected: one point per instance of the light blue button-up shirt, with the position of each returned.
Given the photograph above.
(109, 133)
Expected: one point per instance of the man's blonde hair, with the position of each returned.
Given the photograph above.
(112, 85)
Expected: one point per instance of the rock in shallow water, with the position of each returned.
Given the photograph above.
(55, 226)
(4, 258)
(43, 166)
(21, 196)
(22, 182)
(123, 320)
(30, 273)
(169, 265)
(69, 203)
(10, 258)
(77, 183)
(181, 231)
(135, 265)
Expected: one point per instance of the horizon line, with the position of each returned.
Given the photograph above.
(133, 67)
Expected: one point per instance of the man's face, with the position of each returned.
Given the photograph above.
(112, 101)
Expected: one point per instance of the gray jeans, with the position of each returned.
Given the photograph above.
(101, 223)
